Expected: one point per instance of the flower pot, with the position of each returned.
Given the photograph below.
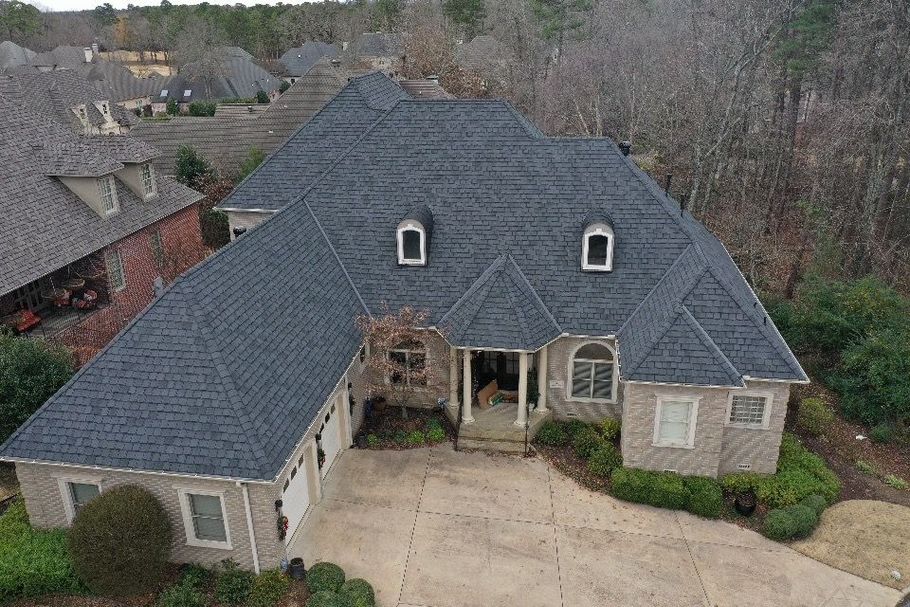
(745, 503)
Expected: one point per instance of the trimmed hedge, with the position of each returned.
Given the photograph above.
(33, 562)
(604, 459)
(233, 585)
(325, 598)
(792, 522)
(552, 434)
(610, 428)
(814, 416)
(706, 498)
(268, 588)
(661, 489)
(120, 542)
(324, 576)
(357, 593)
(586, 441)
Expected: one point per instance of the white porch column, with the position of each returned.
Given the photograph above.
(542, 381)
(522, 419)
(453, 380)
(466, 417)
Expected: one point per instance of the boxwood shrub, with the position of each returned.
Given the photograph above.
(325, 598)
(706, 498)
(661, 489)
(814, 416)
(268, 588)
(586, 441)
(792, 522)
(33, 562)
(182, 594)
(604, 459)
(120, 541)
(817, 503)
(324, 576)
(233, 585)
(357, 593)
(552, 434)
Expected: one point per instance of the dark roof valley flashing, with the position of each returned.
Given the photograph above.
(231, 365)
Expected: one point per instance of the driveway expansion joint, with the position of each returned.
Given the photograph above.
(562, 596)
(407, 558)
(701, 582)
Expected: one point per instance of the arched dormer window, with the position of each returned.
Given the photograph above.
(413, 236)
(597, 247)
(412, 244)
(592, 373)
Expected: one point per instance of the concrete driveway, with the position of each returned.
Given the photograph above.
(436, 528)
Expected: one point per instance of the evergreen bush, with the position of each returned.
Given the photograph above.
(324, 576)
(552, 434)
(604, 459)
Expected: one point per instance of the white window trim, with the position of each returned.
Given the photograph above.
(766, 418)
(63, 482)
(408, 352)
(693, 421)
(570, 373)
(597, 229)
(115, 202)
(191, 540)
(153, 183)
(403, 227)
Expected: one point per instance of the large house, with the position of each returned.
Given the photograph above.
(88, 227)
(547, 263)
(297, 61)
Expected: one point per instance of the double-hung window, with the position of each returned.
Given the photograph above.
(108, 193)
(148, 180)
(77, 493)
(749, 409)
(115, 271)
(674, 423)
(407, 365)
(204, 518)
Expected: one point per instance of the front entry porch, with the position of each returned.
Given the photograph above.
(497, 400)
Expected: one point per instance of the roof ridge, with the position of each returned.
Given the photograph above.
(523, 320)
(257, 453)
(534, 292)
(710, 343)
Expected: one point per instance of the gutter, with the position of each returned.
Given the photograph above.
(249, 525)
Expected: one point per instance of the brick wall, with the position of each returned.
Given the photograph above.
(45, 504)
(559, 381)
(182, 248)
(757, 448)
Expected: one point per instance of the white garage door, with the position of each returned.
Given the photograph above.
(331, 441)
(295, 497)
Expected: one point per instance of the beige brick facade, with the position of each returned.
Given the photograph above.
(559, 379)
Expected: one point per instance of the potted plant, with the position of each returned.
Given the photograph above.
(745, 503)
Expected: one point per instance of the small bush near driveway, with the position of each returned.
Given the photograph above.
(182, 594)
(324, 576)
(797, 521)
(586, 441)
(120, 542)
(357, 593)
(706, 498)
(33, 562)
(604, 459)
(234, 585)
(552, 434)
(268, 588)
(661, 489)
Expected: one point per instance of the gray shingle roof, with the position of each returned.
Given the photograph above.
(12, 55)
(378, 44)
(298, 60)
(215, 364)
(238, 79)
(45, 225)
(225, 139)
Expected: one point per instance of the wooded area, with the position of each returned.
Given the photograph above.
(784, 123)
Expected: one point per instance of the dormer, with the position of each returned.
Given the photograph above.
(597, 243)
(104, 106)
(81, 112)
(413, 236)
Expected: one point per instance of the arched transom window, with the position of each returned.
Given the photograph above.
(593, 368)
(597, 248)
(412, 244)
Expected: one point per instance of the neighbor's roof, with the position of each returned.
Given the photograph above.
(300, 59)
(45, 225)
(12, 55)
(378, 44)
(226, 139)
(425, 89)
(61, 57)
(55, 93)
(217, 370)
(238, 79)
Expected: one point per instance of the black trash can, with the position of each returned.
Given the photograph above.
(296, 569)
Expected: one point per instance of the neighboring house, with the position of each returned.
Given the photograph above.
(486, 57)
(88, 225)
(426, 88)
(236, 78)
(297, 61)
(226, 138)
(376, 51)
(554, 258)
(14, 56)
(68, 98)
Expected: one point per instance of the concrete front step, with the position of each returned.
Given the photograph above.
(500, 446)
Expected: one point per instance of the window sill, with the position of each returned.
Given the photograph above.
(672, 446)
(592, 401)
(208, 544)
(596, 269)
(746, 426)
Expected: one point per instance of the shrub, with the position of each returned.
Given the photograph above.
(436, 434)
(574, 426)
(190, 166)
(31, 370)
(182, 594)
(325, 598)
(216, 228)
(32, 562)
(814, 416)
(357, 593)
(171, 107)
(779, 525)
(120, 541)
(661, 489)
(874, 377)
(743, 482)
(552, 434)
(285, 85)
(197, 576)
(804, 520)
(268, 588)
(433, 423)
(604, 460)
(416, 438)
(705, 496)
(586, 441)
(202, 108)
(610, 428)
(262, 96)
(800, 473)
(233, 585)
(400, 437)
(816, 502)
(895, 482)
(253, 159)
(865, 467)
(372, 441)
(882, 433)
(324, 576)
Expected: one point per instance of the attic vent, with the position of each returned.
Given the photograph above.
(571, 414)
(744, 466)
(164, 92)
(187, 92)
(671, 470)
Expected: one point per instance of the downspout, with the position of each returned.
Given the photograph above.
(249, 525)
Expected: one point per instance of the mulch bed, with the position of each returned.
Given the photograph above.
(841, 450)
(388, 426)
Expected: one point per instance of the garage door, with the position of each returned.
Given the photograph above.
(331, 441)
(295, 497)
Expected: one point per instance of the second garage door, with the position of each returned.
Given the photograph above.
(330, 439)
